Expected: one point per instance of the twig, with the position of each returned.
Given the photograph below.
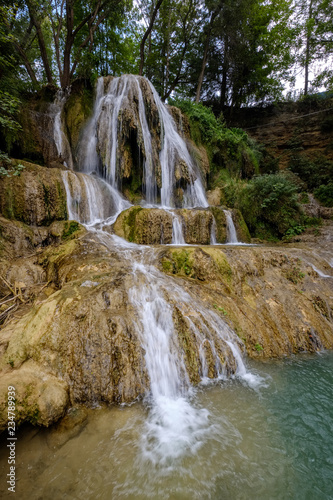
(6, 312)
(46, 284)
(11, 289)
(8, 300)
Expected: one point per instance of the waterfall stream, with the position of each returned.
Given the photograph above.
(174, 424)
(231, 230)
(100, 143)
(60, 138)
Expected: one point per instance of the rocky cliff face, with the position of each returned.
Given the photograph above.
(36, 197)
(304, 127)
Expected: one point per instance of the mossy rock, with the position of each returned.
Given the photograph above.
(243, 233)
(221, 224)
(77, 110)
(197, 225)
(36, 197)
(144, 226)
(206, 264)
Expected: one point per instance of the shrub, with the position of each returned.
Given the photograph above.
(325, 194)
(7, 168)
(313, 172)
(269, 205)
(229, 148)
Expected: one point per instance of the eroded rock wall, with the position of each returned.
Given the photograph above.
(36, 197)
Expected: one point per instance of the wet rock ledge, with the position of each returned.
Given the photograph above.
(74, 340)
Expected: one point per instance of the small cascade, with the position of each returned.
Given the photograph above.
(60, 138)
(175, 149)
(150, 186)
(177, 231)
(88, 157)
(91, 200)
(174, 425)
(231, 230)
(213, 240)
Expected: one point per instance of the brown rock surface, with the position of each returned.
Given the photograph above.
(82, 343)
(36, 197)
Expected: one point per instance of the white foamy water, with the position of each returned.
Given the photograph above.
(319, 272)
(60, 138)
(177, 230)
(174, 426)
(231, 230)
(91, 200)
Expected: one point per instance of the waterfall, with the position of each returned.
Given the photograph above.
(100, 142)
(173, 149)
(177, 230)
(60, 138)
(91, 200)
(174, 425)
(231, 230)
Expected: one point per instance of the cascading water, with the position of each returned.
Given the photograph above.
(60, 138)
(174, 148)
(177, 232)
(213, 240)
(231, 230)
(174, 424)
(91, 200)
(88, 157)
(100, 143)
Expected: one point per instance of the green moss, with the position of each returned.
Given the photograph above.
(129, 223)
(166, 265)
(69, 229)
(183, 263)
(221, 262)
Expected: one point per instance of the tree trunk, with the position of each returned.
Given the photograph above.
(203, 67)
(26, 63)
(307, 53)
(205, 56)
(65, 80)
(225, 68)
(41, 43)
(145, 36)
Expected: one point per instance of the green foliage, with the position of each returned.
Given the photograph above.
(315, 172)
(295, 275)
(326, 125)
(221, 309)
(9, 106)
(258, 347)
(228, 148)
(324, 194)
(7, 168)
(268, 204)
(206, 127)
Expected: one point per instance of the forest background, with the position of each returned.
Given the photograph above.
(200, 55)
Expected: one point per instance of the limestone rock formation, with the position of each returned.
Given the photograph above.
(79, 342)
(36, 197)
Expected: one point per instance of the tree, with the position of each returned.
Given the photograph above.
(245, 49)
(147, 33)
(58, 27)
